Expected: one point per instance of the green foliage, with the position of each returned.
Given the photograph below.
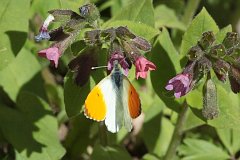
(13, 29)
(201, 23)
(199, 149)
(41, 107)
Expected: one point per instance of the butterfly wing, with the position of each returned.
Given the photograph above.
(95, 105)
(103, 103)
(131, 103)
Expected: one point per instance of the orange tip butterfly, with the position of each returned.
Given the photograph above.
(113, 100)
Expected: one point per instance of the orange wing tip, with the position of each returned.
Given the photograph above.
(89, 116)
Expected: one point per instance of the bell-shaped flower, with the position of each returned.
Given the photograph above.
(52, 54)
(143, 66)
(121, 60)
(180, 84)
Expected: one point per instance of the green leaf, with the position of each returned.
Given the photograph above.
(164, 72)
(13, 29)
(195, 149)
(201, 23)
(229, 109)
(79, 136)
(222, 33)
(138, 11)
(167, 44)
(141, 30)
(150, 157)
(18, 73)
(109, 153)
(117, 5)
(166, 17)
(157, 131)
(36, 137)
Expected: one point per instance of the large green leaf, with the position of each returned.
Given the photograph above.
(165, 70)
(31, 129)
(201, 23)
(167, 44)
(79, 136)
(230, 139)
(229, 106)
(109, 153)
(142, 30)
(195, 149)
(165, 16)
(228, 103)
(138, 11)
(13, 29)
(157, 131)
(18, 73)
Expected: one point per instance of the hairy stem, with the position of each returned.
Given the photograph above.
(177, 134)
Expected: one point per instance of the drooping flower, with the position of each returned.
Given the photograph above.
(121, 60)
(143, 66)
(180, 84)
(44, 29)
(51, 54)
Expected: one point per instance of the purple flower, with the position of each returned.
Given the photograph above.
(143, 66)
(51, 54)
(121, 60)
(44, 29)
(180, 84)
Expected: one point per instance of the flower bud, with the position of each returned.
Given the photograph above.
(195, 53)
(90, 13)
(207, 40)
(231, 40)
(124, 32)
(221, 69)
(204, 65)
(210, 107)
(92, 37)
(141, 43)
(218, 51)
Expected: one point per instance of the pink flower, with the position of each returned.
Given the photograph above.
(51, 54)
(180, 84)
(121, 60)
(143, 66)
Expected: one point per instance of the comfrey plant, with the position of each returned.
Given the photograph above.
(223, 58)
(122, 44)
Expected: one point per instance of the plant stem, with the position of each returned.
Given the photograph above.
(190, 11)
(102, 134)
(177, 134)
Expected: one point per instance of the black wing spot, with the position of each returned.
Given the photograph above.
(98, 94)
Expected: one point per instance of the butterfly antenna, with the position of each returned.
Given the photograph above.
(99, 67)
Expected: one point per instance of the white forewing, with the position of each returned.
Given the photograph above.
(114, 114)
(126, 115)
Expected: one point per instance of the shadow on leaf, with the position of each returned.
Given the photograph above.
(17, 40)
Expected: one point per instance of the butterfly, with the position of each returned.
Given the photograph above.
(113, 100)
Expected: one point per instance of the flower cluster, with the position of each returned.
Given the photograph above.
(63, 36)
(124, 46)
(223, 58)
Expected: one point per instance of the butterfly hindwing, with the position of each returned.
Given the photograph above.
(133, 101)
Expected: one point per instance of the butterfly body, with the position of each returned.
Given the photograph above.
(114, 100)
